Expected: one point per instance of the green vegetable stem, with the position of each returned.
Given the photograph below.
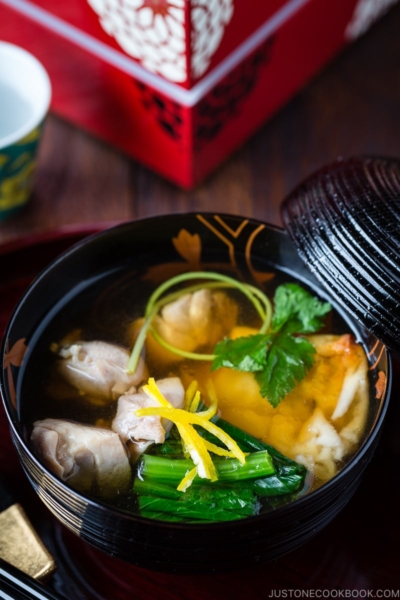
(258, 299)
(172, 471)
(226, 499)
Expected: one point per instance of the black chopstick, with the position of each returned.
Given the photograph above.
(16, 585)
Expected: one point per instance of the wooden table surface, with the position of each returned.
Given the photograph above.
(352, 107)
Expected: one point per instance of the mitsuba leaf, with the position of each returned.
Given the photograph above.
(243, 354)
(280, 358)
(288, 360)
(297, 311)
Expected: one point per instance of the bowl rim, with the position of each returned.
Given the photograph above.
(103, 506)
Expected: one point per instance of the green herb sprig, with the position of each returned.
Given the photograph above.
(281, 357)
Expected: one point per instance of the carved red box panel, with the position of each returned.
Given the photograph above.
(179, 84)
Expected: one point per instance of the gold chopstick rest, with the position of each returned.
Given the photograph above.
(21, 546)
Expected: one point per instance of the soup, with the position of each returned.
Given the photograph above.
(219, 401)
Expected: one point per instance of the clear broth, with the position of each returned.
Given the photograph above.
(104, 311)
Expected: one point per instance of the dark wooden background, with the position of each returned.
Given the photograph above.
(352, 107)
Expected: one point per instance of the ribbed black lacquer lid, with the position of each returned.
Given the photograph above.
(345, 222)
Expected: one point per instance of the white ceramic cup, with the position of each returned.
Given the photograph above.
(25, 94)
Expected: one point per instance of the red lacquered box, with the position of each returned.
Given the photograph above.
(179, 84)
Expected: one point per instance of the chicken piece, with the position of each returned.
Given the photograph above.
(83, 455)
(99, 369)
(151, 428)
(196, 320)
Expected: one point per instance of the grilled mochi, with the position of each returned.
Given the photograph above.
(83, 455)
(99, 369)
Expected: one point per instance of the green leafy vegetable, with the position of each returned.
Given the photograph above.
(297, 311)
(229, 499)
(185, 510)
(280, 358)
(171, 447)
(278, 485)
(248, 443)
(289, 476)
(243, 354)
(288, 359)
(202, 502)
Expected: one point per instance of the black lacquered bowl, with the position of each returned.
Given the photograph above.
(156, 249)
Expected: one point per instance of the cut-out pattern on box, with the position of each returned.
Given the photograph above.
(154, 32)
